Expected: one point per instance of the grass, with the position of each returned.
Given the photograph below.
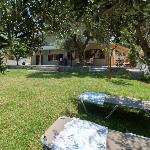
(30, 101)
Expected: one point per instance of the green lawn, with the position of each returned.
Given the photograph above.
(30, 101)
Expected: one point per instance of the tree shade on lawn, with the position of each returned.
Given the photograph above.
(31, 100)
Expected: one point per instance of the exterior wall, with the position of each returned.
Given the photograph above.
(45, 60)
(96, 62)
(50, 47)
(107, 60)
(27, 61)
(99, 62)
(45, 54)
(113, 62)
(122, 50)
(33, 60)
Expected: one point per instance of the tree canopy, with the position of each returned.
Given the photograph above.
(125, 21)
(19, 20)
(121, 21)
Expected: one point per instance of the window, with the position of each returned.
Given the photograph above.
(56, 57)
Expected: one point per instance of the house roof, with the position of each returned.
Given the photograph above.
(111, 45)
(118, 47)
(93, 46)
(50, 47)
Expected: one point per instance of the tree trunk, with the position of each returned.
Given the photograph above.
(80, 50)
(71, 59)
(142, 41)
(109, 61)
(17, 62)
(109, 66)
(79, 55)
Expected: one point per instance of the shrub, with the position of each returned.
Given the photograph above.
(2, 65)
(133, 55)
(147, 77)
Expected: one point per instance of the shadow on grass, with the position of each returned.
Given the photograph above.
(119, 82)
(117, 79)
(123, 119)
(43, 74)
(58, 75)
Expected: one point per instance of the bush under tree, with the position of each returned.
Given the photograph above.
(18, 50)
(133, 55)
(2, 64)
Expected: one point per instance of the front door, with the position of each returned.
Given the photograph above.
(37, 59)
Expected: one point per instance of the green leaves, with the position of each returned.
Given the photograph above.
(2, 64)
(21, 20)
(107, 20)
(133, 55)
(18, 50)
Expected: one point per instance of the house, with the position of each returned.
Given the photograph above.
(49, 54)
(52, 54)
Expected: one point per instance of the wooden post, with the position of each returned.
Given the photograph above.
(83, 58)
(71, 58)
(109, 63)
(109, 66)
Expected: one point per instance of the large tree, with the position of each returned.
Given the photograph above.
(107, 20)
(110, 18)
(18, 50)
(2, 64)
(20, 19)
(78, 42)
